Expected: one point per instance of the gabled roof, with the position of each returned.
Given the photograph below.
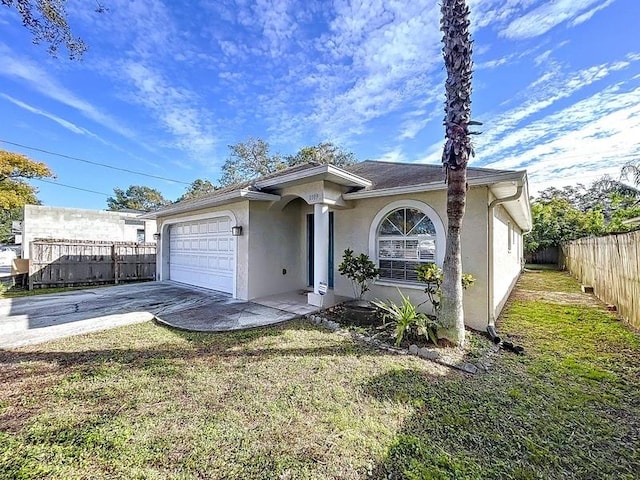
(385, 175)
(364, 180)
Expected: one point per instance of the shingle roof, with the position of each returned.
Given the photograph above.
(381, 174)
(393, 174)
(249, 183)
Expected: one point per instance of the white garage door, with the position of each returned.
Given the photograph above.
(202, 253)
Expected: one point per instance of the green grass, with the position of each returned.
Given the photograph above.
(549, 281)
(295, 402)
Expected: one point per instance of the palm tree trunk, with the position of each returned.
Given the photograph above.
(457, 49)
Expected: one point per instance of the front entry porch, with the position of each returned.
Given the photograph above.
(295, 302)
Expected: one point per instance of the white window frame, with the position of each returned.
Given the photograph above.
(386, 210)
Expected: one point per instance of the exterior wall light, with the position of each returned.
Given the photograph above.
(156, 236)
(236, 231)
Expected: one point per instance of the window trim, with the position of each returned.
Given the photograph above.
(381, 215)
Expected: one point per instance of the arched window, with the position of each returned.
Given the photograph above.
(405, 237)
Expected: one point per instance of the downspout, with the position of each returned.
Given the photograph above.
(491, 328)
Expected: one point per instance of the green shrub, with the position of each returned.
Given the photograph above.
(406, 320)
(360, 270)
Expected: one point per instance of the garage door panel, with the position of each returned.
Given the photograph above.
(202, 253)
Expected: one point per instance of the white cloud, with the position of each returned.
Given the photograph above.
(587, 15)
(572, 144)
(41, 81)
(396, 156)
(60, 121)
(542, 93)
(548, 15)
(177, 109)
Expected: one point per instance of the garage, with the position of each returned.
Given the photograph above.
(202, 253)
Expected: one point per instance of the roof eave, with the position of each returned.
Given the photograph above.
(213, 201)
(433, 186)
(324, 172)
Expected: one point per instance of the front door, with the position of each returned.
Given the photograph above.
(310, 231)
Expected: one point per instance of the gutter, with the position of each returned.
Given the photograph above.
(491, 209)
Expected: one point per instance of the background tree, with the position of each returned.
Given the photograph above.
(325, 153)
(198, 188)
(47, 22)
(15, 192)
(457, 53)
(556, 220)
(136, 197)
(571, 212)
(249, 160)
(631, 171)
(253, 159)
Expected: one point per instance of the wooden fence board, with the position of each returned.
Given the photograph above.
(62, 263)
(611, 266)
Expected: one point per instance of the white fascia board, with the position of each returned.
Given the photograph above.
(432, 186)
(520, 208)
(385, 192)
(321, 170)
(213, 201)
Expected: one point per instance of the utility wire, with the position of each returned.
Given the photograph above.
(94, 163)
(70, 186)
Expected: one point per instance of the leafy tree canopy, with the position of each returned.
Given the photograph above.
(325, 153)
(15, 166)
(198, 188)
(46, 20)
(6, 220)
(249, 160)
(563, 214)
(253, 158)
(136, 197)
(14, 169)
(15, 193)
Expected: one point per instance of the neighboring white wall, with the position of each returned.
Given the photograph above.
(240, 210)
(81, 224)
(352, 228)
(274, 246)
(507, 257)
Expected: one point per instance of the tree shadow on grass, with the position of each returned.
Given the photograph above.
(243, 343)
(420, 449)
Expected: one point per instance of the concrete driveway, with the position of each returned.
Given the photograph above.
(40, 318)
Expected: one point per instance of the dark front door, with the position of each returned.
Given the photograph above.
(310, 232)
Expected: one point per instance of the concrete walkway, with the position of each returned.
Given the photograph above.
(40, 318)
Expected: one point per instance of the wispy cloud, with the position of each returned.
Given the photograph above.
(550, 14)
(577, 140)
(177, 109)
(42, 81)
(587, 15)
(542, 93)
(60, 121)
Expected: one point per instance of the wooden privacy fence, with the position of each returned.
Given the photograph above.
(66, 263)
(611, 265)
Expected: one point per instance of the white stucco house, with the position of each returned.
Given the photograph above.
(287, 231)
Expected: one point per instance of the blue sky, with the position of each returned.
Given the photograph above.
(164, 90)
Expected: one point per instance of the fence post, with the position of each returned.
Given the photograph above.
(116, 266)
(30, 273)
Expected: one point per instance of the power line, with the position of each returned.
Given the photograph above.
(94, 163)
(70, 186)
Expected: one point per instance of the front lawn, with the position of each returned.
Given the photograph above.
(297, 402)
